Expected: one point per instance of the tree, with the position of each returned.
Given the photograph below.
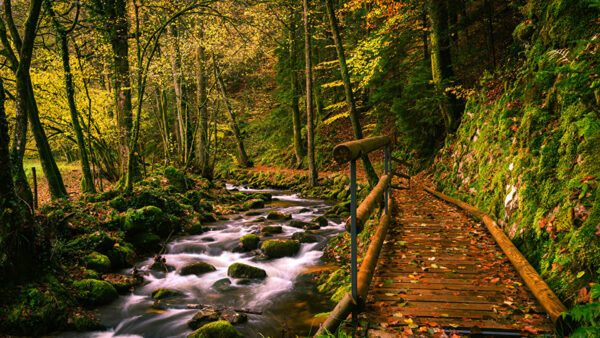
(354, 118)
(441, 63)
(20, 64)
(297, 126)
(87, 181)
(312, 170)
(203, 148)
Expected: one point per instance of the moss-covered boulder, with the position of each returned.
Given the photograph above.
(122, 283)
(177, 179)
(218, 329)
(194, 228)
(254, 204)
(97, 261)
(240, 270)
(146, 243)
(296, 223)
(196, 268)
(270, 230)
(277, 248)
(163, 293)
(278, 216)
(83, 323)
(118, 203)
(203, 317)
(95, 292)
(321, 221)
(91, 274)
(121, 255)
(304, 237)
(265, 196)
(98, 241)
(146, 219)
(249, 242)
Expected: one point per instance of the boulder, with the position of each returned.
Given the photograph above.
(97, 261)
(278, 216)
(265, 196)
(121, 255)
(118, 203)
(196, 268)
(122, 283)
(220, 329)
(295, 223)
(249, 242)
(304, 237)
(321, 220)
(145, 220)
(86, 322)
(277, 248)
(254, 204)
(146, 242)
(253, 213)
(203, 317)
(270, 230)
(222, 285)
(95, 292)
(240, 270)
(163, 293)
(194, 228)
(177, 179)
(159, 305)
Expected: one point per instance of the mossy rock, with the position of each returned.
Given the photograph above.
(240, 270)
(277, 248)
(163, 293)
(83, 323)
(194, 228)
(95, 292)
(254, 204)
(122, 283)
(265, 196)
(118, 203)
(222, 285)
(278, 216)
(253, 213)
(321, 220)
(97, 261)
(91, 274)
(121, 255)
(304, 237)
(250, 241)
(148, 219)
(177, 179)
(296, 223)
(146, 243)
(270, 230)
(218, 329)
(196, 268)
(98, 241)
(203, 317)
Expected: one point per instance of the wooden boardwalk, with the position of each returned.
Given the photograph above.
(439, 268)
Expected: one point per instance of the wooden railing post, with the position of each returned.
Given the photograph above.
(353, 253)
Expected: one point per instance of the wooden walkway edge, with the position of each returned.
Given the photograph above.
(440, 269)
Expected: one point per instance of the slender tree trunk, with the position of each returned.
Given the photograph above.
(203, 149)
(297, 125)
(426, 57)
(312, 169)
(441, 63)
(489, 6)
(178, 88)
(242, 156)
(354, 118)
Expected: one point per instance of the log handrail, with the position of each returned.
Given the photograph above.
(364, 211)
(349, 151)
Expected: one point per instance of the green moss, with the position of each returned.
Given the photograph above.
(148, 219)
(118, 203)
(250, 241)
(97, 261)
(239, 270)
(304, 237)
(121, 255)
(278, 248)
(146, 243)
(177, 179)
(163, 293)
(218, 329)
(278, 216)
(196, 268)
(95, 292)
(84, 323)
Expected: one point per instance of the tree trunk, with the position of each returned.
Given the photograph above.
(203, 149)
(489, 6)
(297, 125)
(354, 118)
(178, 88)
(312, 170)
(441, 63)
(122, 81)
(242, 156)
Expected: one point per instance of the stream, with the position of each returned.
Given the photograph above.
(287, 298)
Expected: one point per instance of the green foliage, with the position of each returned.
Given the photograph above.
(277, 248)
(95, 292)
(218, 329)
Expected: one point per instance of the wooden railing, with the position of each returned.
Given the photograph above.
(350, 152)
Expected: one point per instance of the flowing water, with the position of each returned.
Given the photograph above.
(287, 297)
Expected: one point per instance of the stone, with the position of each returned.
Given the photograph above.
(321, 220)
(203, 317)
(95, 292)
(97, 261)
(277, 248)
(222, 285)
(270, 230)
(240, 270)
(304, 237)
(254, 204)
(122, 283)
(250, 242)
(194, 228)
(278, 216)
(196, 268)
(218, 329)
(121, 255)
(163, 293)
(295, 223)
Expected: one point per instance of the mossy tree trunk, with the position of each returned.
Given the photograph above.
(87, 181)
(354, 115)
(297, 125)
(26, 100)
(312, 168)
(243, 159)
(441, 63)
(203, 149)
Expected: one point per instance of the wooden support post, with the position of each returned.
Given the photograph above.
(35, 189)
(549, 301)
